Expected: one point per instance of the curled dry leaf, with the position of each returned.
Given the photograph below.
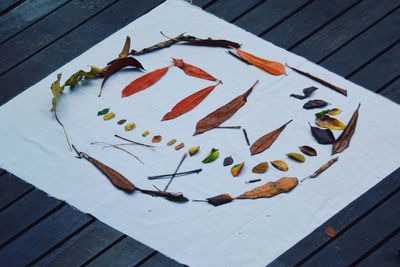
(280, 165)
(306, 91)
(180, 146)
(236, 169)
(272, 67)
(211, 42)
(144, 82)
(125, 50)
(222, 114)
(220, 199)
(193, 70)
(297, 157)
(270, 189)
(228, 161)
(189, 103)
(323, 136)
(109, 116)
(317, 103)
(156, 139)
(343, 140)
(329, 231)
(94, 72)
(103, 112)
(211, 156)
(309, 151)
(130, 126)
(260, 168)
(267, 140)
(175, 197)
(193, 150)
(171, 142)
(321, 169)
(332, 112)
(325, 121)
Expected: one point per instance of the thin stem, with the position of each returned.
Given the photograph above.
(176, 171)
(117, 147)
(246, 137)
(133, 142)
(228, 127)
(165, 176)
(65, 131)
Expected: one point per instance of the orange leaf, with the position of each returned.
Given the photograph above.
(272, 67)
(189, 103)
(329, 231)
(193, 70)
(144, 81)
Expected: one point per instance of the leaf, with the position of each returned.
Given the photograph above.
(125, 50)
(324, 121)
(193, 150)
(156, 139)
(271, 67)
(236, 169)
(117, 65)
(311, 104)
(323, 137)
(130, 126)
(308, 150)
(175, 197)
(228, 161)
(212, 43)
(329, 231)
(270, 189)
(144, 81)
(193, 70)
(321, 169)
(306, 91)
(120, 122)
(222, 114)
(321, 81)
(103, 112)
(211, 156)
(280, 165)
(220, 199)
(343, 141)
(260, 168)
(189, 103)
(56, 89)
(81, 74)
(267, 140)
(297, 157)
(332, 112)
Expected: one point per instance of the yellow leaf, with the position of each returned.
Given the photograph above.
(193, 150)
(297, 157)
(236, 169)
(260, 168)
(325, 121)
(280, 165)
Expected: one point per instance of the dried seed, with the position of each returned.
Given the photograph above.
(109, 116)
(145, 133)
(236, 169)
(130, 126)
(193, 150)
(317, 103)
(103, 112)
(308, 150)
(156, 139)
(120, 122)
(280, 165)
(180, 146)
(228, 161)
(171, 142)
(296, 156)
(260, 168)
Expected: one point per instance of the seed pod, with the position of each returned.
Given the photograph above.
(315, 104)
(171, 142)
(220, 199)
(109, 116)
(236, 169)
(280, 165)
(130, 126)
(296, 156)
(193, 150)
(156, 139)
(260, 168)
(228, 161)
(120, 122)
(308, 150)
(145, 133)
(180, 146)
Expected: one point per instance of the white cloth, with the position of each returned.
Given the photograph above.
(242, 233)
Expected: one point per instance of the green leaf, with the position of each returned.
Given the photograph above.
(103, 112)
(212, 156)
(56, 89)
(79, 75)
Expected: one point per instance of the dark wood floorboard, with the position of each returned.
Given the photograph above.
(7, 5)
(229, 10)
(12, 189)
(392, 91)
(159, 260)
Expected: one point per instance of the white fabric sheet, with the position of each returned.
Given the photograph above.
(242, 233)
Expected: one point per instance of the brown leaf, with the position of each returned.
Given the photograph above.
(193, 70)
(267, 140)
(308, 150)
(260, 168)
(325, 121)
(280, 165)
(323, 137)
(228, 161)
(156, 139)
(306, 91)
(269, 66)
(220, 199)
(212, 43)
(270, 189)
(329, 231)
(125, 50)
(315, 104)
(144, 81)
(343, 141)
(222, 114)
(176, 197)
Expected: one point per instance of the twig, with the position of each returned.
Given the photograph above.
(117, 147)
(65, 131)
(133, 142)
(165, 176)
(321, 169)
(176, 171)
(253, 181)
(246, 137)
(228, 127)
(160, 45)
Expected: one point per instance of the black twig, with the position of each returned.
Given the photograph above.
(246, 137)
(165, 176)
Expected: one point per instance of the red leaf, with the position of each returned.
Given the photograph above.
(193, 70)
(269, 66)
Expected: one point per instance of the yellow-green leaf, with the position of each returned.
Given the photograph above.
(145, 133)
(109, 116)
(335, 111)
(236, 169)
(56, 89)
(260, 168)
(102, 112)
(130, 126)
(325, 121)
(212, 156)
(80, 74)
(280, 165)
(297, 157)
(193, 150)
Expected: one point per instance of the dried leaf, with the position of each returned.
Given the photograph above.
(228, 161)
(211, 156)
(193, 70)
(56, 89)
(260, 168)
(212, 43)
(267, 140)
(296, 156)
(171, 142)
(120, 122)
(308, 150)
(323, 137)
(311, 104)
(156, 139)
(81, 74)
(236, 169)
(189, 103)
(144, 82)
(343, 140)
(109, 116)
(332, 112)
(321, 169)
(271, 67)
(102, 112)
(270, 189)
(220, 199)
(145, 133)
(321, 81)
(324, 121)
(280, 165)
(306, 91)
(180, 146)
(193, 150)
(329, 231)
(222, 114)
(119, 64)
(176, 197)
(127, 46)
(130, 126)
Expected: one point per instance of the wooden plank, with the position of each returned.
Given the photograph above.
(229, 10)
(393, 91)
(344, 29)
(160, 260)
(38, 37)
(346, 249)
(25, 15)
(308, 20)
(11, 189)
(82, 247)
(7, 5)
(387, 255)
(381, 71)
(201, 3)
(127, 252)
(364, 48)
(44, 236)
(72, 45)
(24, 213)
(341, 221)
(268, 14)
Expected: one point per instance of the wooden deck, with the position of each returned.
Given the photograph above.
(358, 39)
